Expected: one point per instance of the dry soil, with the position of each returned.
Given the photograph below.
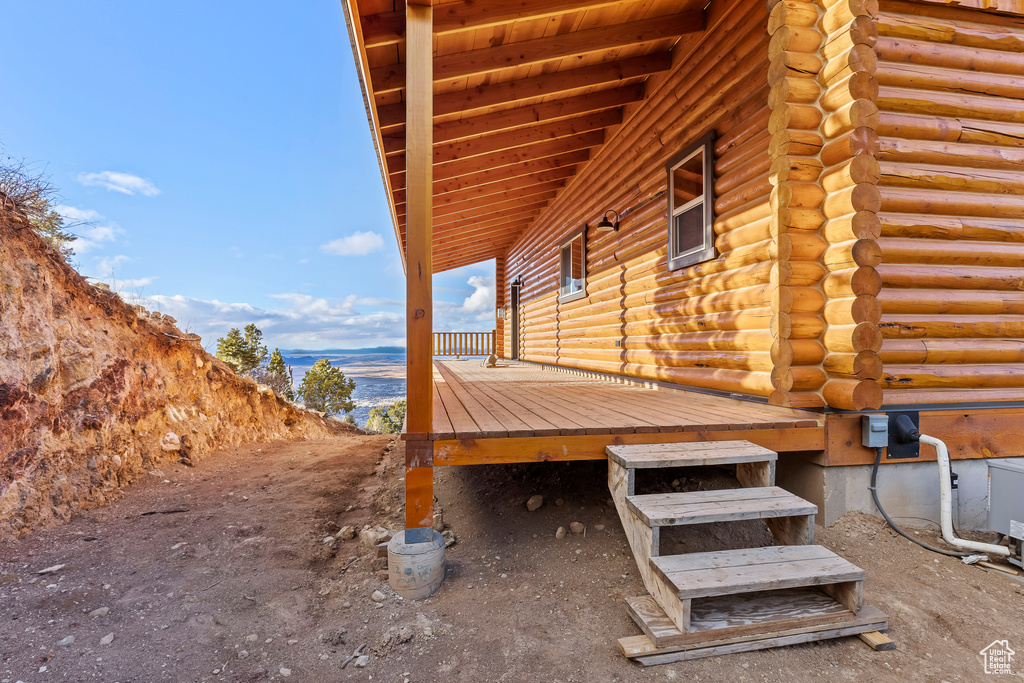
(221, 573)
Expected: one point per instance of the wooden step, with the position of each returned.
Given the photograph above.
(728, 572)
(689, 454)
(729, 505)
(730, 616)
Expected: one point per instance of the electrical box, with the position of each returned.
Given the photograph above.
(1005, 502)
(874, 431)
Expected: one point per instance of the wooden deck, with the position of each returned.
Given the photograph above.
(521, 413)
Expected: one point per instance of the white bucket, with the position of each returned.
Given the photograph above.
(416, 570)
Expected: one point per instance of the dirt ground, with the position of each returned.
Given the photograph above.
(220, 572)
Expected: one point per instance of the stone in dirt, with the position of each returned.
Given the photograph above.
(100, 612)
(377, 596)
(577, 528)
(285, 672)
(70, 640)
(328, 540)
(363, 661)
(347, 533)
(170, 442)
(560, 533)
(534, 503)
(50, 570)
(559, 502)
(449, 538)
(438, 520)
(107, 639)
(242, 654)
(369, 537)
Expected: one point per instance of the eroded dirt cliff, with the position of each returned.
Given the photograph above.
(95, 392)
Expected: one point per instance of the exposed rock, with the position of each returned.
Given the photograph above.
(438, 520)
(371, 537)
(577, 528)
(377, 596)
(170, 442)
(534, 503)
(599, 527)
(560, 533)
(69, 640)
(449, 538)
(362, 661)
(84, 374)
(347, 533)
(100, 612)
(107, 639)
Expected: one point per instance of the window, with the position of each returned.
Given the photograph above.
(573, 281)
(691, 238)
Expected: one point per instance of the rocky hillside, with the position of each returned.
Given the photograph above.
(95, 392)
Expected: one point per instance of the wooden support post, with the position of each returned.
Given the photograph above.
(419, 485)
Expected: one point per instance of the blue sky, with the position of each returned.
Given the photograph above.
(221, 153)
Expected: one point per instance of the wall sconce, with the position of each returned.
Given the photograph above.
(606, 225)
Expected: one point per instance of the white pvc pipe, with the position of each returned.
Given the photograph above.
(946, 504)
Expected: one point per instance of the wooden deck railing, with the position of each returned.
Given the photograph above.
(463, 343)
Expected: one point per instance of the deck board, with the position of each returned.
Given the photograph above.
(521, 400)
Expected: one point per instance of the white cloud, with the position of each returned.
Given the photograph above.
(302, 321)
(125, 183)
(129, 284)
(378, 301)
(356, 244)
(77, 215)
(482, 298)
(106, 266)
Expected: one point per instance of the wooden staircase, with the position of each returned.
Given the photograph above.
(712, 603)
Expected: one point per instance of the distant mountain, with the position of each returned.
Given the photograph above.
(342, 352)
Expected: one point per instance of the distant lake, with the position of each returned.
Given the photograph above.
(379, 377)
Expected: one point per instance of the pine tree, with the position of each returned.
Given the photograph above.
(279, 376)
(387, 420)
(325, 388)
(243, 353)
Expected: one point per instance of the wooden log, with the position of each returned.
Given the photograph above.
(852, 394)
(858, 85)
(951, 351)
(913, 101)
(863, 225)
(936, 29)
(855, 114)
(852, 282)
(931, 376)
(942, 302)
(852, 338)
(795, 143)
(862, 365)
(859, 169)
(860, 31)
(792, 13)
(951, 326)
(853, 310)
(850, 144)
(948, 153)
(858, 58)
(860, 197)
(907, 200)
(951, 277)
(963, 252)
(843, 12)
(945, 129)
(949, 57)
(853, 253)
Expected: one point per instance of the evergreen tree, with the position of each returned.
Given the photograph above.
(387, 420)
(325, 388)
(279, 376)
(243, 353)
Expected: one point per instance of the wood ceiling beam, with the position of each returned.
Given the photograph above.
(490, 221)
(497, 187)
(442, 211)
(465, 149)
(468, 257)
(507, 157)
(391, 77)
(388, 28)
(390, 116)
(503, 173)
(486, 217)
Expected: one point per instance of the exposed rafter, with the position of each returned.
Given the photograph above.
(485, 60)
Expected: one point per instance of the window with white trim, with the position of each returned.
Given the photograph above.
(573, 271)
(691, 236)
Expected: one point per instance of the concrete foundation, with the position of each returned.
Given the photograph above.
(909, 491)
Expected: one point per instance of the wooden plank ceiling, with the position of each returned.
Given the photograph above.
(525, 93)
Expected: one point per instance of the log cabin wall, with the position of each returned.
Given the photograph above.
(708, 325)
(950, 139)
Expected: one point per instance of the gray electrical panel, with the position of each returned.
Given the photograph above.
(1006, 498)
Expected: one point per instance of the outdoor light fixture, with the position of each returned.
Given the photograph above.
(607, 226)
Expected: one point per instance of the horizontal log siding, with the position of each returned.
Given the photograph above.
(950, 150)
(708, 325)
